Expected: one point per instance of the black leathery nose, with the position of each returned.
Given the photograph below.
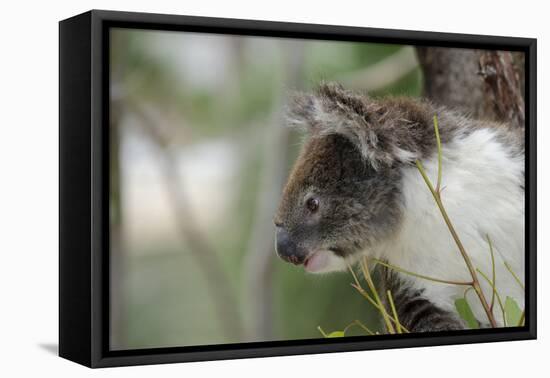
(287, 248)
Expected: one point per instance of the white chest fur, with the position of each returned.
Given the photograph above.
(482, 192)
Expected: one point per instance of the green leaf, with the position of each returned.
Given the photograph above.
(332, 334)
(466, 313)
(336, 334)
(512, 312)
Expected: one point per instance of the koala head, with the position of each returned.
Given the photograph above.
(343, 194)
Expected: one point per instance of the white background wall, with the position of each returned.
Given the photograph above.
(29, 186)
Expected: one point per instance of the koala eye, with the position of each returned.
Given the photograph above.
(312, 204)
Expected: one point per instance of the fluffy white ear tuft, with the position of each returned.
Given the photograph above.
(334, 110)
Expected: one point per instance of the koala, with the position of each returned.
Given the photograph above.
(355, 192)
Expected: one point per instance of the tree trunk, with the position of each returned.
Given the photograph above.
(451, 79)
(502, 85)
(486, 84)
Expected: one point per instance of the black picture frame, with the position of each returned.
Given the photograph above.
(84, 187)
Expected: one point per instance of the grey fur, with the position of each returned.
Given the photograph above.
(414, 310)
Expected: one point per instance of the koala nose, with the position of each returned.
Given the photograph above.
(287, 248)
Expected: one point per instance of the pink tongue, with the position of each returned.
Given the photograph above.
(316, 262)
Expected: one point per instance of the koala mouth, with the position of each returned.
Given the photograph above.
(319, 260)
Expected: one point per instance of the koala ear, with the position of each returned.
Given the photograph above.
(334, 110)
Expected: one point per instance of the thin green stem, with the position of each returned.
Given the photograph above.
(322, 332)
(359, 324)
(495, 294)
(348, 327)
(494, 283)
(465, 256)
(394, 267)
(514, 274)
(373, 302)
(366, 295)
(370, 283)
(522, 319)
(353, 275)
(362, 291)
(466, 291)
(392, 305)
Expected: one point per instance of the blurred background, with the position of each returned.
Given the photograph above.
(199, 155)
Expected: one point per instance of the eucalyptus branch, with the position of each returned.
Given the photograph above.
(380, 309)
(467, 290)
(396, 268)
(437, 197)
(342, 333)
(522, 319)
(364, 293)
(493, 271)
(353, 275)
(360, 324)
(357, 286)
(515, 275)
(322, 332)
(495, 294)
(390, 299)
(370, 283)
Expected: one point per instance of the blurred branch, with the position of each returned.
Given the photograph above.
(382, 74)
(260, 254)
(117, 254)
(218, 283)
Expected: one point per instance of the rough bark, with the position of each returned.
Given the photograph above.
(451, 79)
(485, 84)
(502, 87)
